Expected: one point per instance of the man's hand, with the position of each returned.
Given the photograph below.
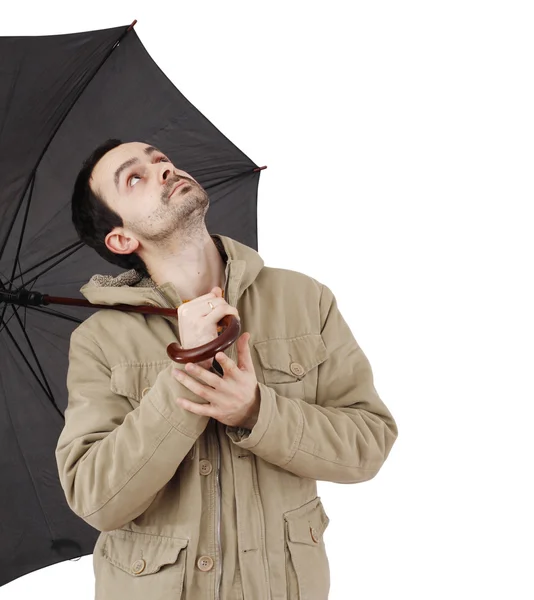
(234, 398)
(197, 321)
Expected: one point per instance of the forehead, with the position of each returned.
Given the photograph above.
(104, 171)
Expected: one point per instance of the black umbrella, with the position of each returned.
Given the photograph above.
(60, 97)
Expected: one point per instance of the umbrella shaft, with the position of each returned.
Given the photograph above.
(150, 310)
(24, 297)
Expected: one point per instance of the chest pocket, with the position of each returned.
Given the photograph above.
(290, 365)
(134, 380)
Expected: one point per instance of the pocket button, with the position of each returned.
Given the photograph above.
(145, 391)
(138, 566)
(314, 535)
(296, 369)
(205, 563)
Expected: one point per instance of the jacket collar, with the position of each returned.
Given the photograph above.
(243, 265)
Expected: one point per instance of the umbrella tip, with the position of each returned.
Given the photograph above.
(260, 169)
(132, 25)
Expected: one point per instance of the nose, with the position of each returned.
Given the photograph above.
(165, 171)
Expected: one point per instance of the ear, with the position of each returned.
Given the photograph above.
(119, 242)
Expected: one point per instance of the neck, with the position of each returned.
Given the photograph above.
(193, 265)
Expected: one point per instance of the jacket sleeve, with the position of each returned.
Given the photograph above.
(112, 459)
(347, 435)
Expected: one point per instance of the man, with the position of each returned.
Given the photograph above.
(202, 478)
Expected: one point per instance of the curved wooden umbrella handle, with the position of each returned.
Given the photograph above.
(230, 333)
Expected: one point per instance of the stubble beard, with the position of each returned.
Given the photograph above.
(176, 218)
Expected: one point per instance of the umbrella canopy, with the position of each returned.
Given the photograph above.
(60, 97)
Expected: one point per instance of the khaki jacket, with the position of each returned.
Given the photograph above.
(189, 508)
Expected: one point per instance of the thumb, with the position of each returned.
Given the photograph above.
(243, 352)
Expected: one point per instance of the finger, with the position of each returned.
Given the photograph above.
(191, 384)
(202, 305)
(221, 310)
(197, 304)
(227, 364)
(243, 353)
(203, 373)
(204, 410)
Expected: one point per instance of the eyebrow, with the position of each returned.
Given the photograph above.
(132, 161)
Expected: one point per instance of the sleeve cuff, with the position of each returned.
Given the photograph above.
(163, 397)
(246, 438)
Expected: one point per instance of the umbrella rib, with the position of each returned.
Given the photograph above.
(49, 337)
(44, 225)
(236, 176)
(53, 265)
(3, 321)
(25, 308)
(53, 135)
(55, 313)
(12, 338)
(2, 318)
(51, 395)
(79, 244)
(4, 310)
(21, 237)
(13, 221)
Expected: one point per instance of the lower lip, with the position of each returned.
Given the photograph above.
(178, 187)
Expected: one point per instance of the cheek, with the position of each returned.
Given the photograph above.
(145, 199)
(136, 211)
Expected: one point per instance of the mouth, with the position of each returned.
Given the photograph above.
(178, 185)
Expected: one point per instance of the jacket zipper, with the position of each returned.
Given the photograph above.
(219, 493)
(218, 480)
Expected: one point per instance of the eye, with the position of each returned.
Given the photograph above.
(164, 159)
(131, 183)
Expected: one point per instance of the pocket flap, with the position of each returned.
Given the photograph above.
(132, 379)
(307, 522)
(306, 351)
(140, 553)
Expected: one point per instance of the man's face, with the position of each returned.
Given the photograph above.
(156, 201)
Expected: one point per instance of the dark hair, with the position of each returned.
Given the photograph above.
(93, 219)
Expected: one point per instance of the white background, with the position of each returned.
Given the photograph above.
(399, 139)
